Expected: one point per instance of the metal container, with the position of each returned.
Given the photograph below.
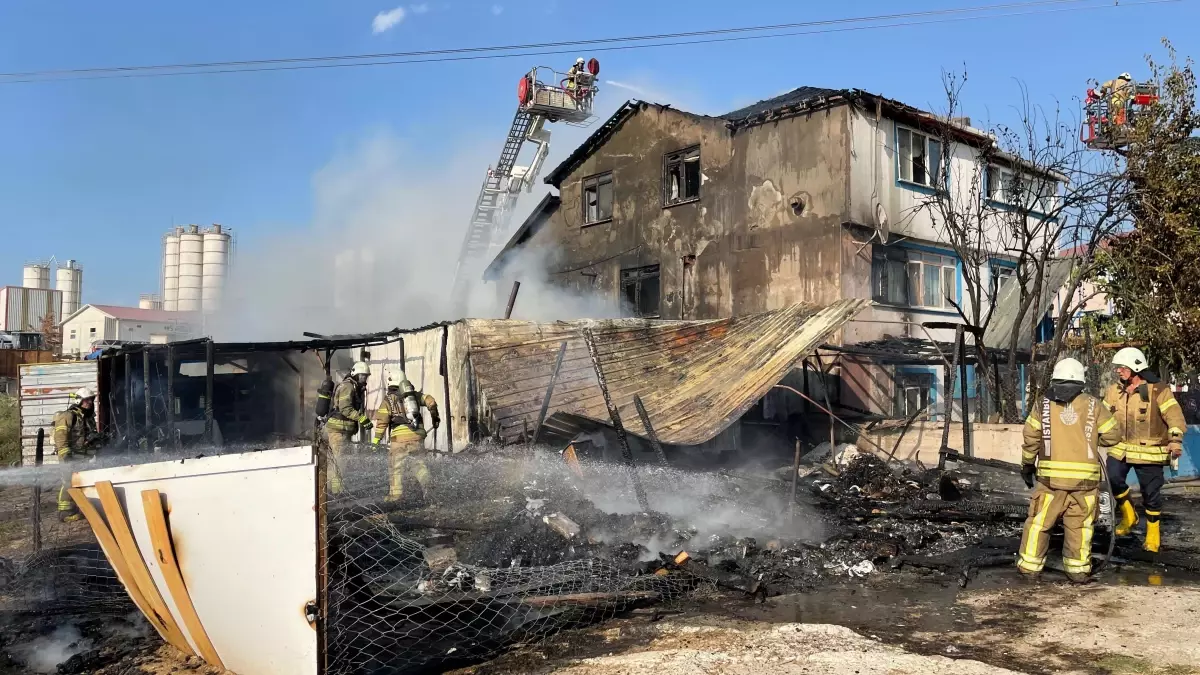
(36, 275)
(69, 282)
(170, 285)
(146, 301)
(216, 267)
(24, 309)
(45, 389)
(191, 269)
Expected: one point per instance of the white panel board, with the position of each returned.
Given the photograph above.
(45, 390)
(244, 528)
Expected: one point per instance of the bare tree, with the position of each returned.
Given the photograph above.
(1030, 191)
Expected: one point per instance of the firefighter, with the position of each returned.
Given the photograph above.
(573, 74)
(1152, 425)
(75, 439)
(346, 417)
(1061, 454)
(1119, 91)
(399, 422)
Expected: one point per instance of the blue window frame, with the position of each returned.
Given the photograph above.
(921, 277)
(1010, 190)
(1000, 274)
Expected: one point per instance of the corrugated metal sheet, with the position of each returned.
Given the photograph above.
(24, 308)
(695, 377)
(1004, 316)
(44, 391)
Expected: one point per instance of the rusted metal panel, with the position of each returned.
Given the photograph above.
(695, 377)
(45, 390)
(12, 359)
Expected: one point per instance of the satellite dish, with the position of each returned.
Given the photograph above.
(881, 222)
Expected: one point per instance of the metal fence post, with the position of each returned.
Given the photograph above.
(35, 510)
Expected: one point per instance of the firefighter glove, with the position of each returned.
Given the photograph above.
(1027, 473)
(437, 421)
(1176, 448)
(365, 424)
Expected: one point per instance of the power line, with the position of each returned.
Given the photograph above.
(900, 20)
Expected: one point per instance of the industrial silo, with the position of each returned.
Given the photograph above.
(36, 275)
(69, 282)
(216, 267)
(191, 269)
(148, 301)
(170, 285)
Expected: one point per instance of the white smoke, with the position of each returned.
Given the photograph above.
(43, 654)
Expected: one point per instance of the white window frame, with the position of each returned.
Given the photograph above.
(907, 141)
(1001, 178)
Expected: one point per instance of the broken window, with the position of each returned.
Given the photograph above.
(1001, 276)
(914, 391)
(681, 176)
(640, 289)
(919, 158)
(914, 278)
(597, 198)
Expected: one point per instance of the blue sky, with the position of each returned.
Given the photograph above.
(97, 170)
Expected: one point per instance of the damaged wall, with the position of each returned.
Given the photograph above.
(765, 231)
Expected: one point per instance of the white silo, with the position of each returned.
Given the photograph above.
(191, 269)
(36, 275)
(216, 267)
(69, 282)
(146, 301)
(170, 284)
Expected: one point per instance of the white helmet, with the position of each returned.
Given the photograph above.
(360, 368)
(83, 393)
(1069, 370)
(1132, 358)
(1124, 76)
(394, 378)
(579, 61)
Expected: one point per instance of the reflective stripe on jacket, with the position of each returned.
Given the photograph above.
(1064, 440)
(1149, 425)
(348, 407)
(73, 428)
(392, 417)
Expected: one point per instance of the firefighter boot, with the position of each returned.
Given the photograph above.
(1152, 534)
(1129, 516)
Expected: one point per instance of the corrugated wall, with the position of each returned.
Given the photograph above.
(45, 390)
(24, 308)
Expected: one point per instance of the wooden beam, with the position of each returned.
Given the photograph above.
(164, 552)
(159, 614)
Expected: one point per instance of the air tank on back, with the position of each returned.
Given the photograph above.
(170, 284)
(216, 267)
(191, 269)
(69, 282)
(36, 274)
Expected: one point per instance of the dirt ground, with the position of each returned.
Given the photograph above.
(1120, 626)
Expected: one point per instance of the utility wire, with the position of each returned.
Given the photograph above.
(613, 44)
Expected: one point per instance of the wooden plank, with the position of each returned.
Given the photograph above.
(164, 551)
(159, 614)
(113, 552)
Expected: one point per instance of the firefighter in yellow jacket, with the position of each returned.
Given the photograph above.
(1061, 451)
(347, 416)
(399, 422)
(1152, 425)
(1119, 90)
(75, 438)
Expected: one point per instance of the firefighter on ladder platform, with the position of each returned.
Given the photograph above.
(1119, 91)
(1111, 110)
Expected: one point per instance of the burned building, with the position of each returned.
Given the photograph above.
(813, 196)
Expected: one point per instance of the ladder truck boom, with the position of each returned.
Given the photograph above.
(543, 96)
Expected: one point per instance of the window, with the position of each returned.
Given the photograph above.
(919, 158)
(1013, 188)
(639, 292)
(1001, 276)
(913, 278)
(72, 334)
(681, 176)
(92, 331)
(914, 393)
(597, 198)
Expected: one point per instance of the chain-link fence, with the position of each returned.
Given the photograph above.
(483, 560)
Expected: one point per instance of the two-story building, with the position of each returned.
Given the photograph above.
(813, 196)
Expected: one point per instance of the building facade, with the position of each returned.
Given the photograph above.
(91, 325)
(813, 196)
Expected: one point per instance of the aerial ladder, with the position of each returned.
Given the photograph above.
(1111, 111)
(543, 96)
